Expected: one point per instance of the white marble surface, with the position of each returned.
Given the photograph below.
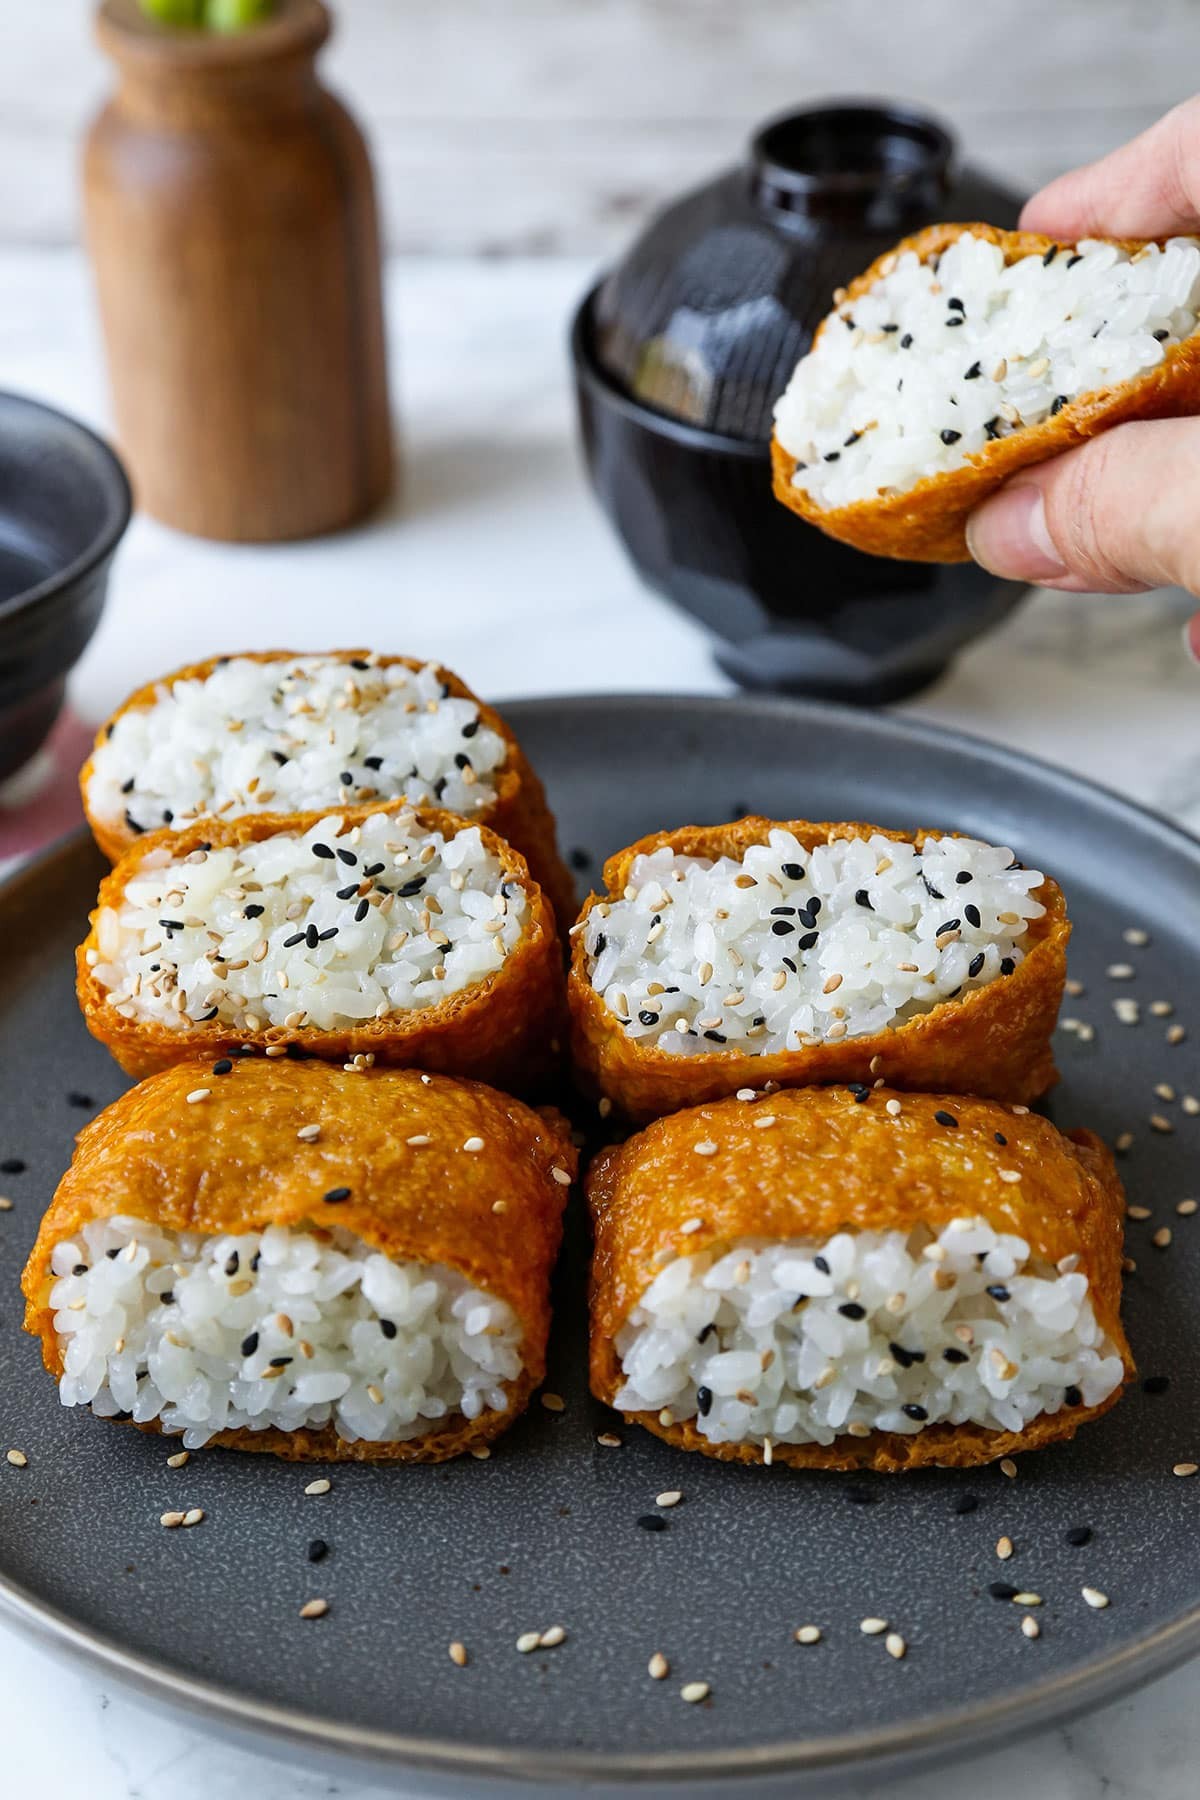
(496, 560)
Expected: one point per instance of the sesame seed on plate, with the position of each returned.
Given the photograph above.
(1027, 1599)
(807, 1634)
(1190, 1105)
(1186, 1208)
(1185, 1468)
(1161, 1124)
(553, 1402)
(321, 1485)
(1123, 1142)
(1030, 1627)
(193, 1516)
(551, 1638)
(694, 1691)
(17, 1458)
(1176, 1034)
(1162, 1237)
(1127, 1010)
(473, 1144)
(670, 1497)
(1004, 1548)
(170, 1519)
(1120, 971)
(895, 1646)
(1136, 936)
(179, 1459)
(1008, 1467)
(314, 1609)
(873, 1627)
(1074, 988)
(6, 1204)
(458, 1654)
(1137, 1212)
(1094, 1597)
(609, 1439)
(528, 1640)
(658, 1668)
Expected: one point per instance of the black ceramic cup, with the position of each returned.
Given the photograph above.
(64, 505)
(680, 353)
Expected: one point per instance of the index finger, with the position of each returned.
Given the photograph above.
(1148, 188)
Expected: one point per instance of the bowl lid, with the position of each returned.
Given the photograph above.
(711, 308)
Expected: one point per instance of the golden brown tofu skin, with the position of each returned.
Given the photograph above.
(234, 1163)
(927, 522)
(519, 811)
(994, 1041)
(507, 1029)
(828, 1163)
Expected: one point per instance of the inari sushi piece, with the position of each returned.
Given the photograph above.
(406, 938)
(967, 353)
(312, 1263)
(273, 733)
(733, 956)
(845, 1280)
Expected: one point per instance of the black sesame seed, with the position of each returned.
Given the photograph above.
(1007, 965)
(704, 1401)
(716, 1036)
(127, 786)
(956, 320)
(832, 455)
(211, 1014)
(346, 778)
(578, 858)
(232, 1263)
(297, 1053)
(805, 943)
(348, 857)
(358, 662)
(374, 869)
(318, 1550)
(1000, 1137)
(930, 889)
(787, 961)
(254, 1262)
(955, 304)
(1072, 260)
(992, 427)
(297, 937)
(279, 1362)
(1160, 335)
(1078, 1535)
(859, 1090)
(972, 916)
(862, 898)
(1057, 404)
(951, 1355)
(946, 1118)
(859, 1494)
(388, 1327)
(852, 439)
(819, 1262)
(335, 1194)
(950, 437)
(410, 888)
(250, 1344)
(1072, 1396)
(132, 822)
(703, 1336)
(1002, 1590)
(783, 912)
(906, 341)
(1050, 255)
(312, 937)
(601, 945)
(998, 1291)
(975, 966)
(439, 786)
(348, 893)
(253, 911)
(793, 871)
(461, 760)
(280, 758)
(850, 1309)
(12, 1165)
(323, 851)
(647, 1017)
(950, 925)
(168, 816)
(223, 1067)
(782, 927)
(973, 373)
(111, 1253)
(913, 1411)
(332, 932)
(1156, 1384)
(168, 1299)
(84, 1101)
(372, 762)
(80, 1269)
(651, 1522)
(966, 1503)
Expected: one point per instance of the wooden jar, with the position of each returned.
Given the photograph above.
(230, 213)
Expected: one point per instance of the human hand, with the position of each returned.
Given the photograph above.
(1121, 512)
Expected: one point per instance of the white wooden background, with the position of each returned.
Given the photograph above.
(533, 126)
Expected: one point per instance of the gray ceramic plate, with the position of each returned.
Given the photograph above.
(547, 1531)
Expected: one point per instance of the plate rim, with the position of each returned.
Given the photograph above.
(969, 1729)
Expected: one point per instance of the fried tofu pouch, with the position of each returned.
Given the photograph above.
(927, 521)
(519, 811)
(235, 1163)
(505, 1029)
(994, 1041)
(827, 1164)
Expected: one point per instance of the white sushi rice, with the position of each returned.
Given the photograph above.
(880, 1341)
(186, 1329)
(938, 359)
(311, 929)
(785, 948)
(294, 735)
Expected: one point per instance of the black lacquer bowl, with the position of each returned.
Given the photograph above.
(680, 353)
(64, 505)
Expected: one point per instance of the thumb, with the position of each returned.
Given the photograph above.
(1117, 514)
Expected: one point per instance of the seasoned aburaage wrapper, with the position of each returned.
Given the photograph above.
(309, 1262)
(858, 1280)
(967, 353)
(403, 937)
(729, 956)
(276, 733)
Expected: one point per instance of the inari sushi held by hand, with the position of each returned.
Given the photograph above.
(730, 956)
(967, 353)
(858, 1280)
(275, 734)
(406, 938)
(312, 1263)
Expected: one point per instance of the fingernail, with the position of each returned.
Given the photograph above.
(1008, 535)
(1191, 637)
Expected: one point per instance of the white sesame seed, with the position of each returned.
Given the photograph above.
(1009, 1175)
(314, 1609)
(1127, 1010)
(1094, 1597)
(1030, 1627)
(308, 1134)
(321, 1485)
(604, 1107)
(553, 1402)
(670, 1497)
(1162, 1009)
(763, 1120)
(1176, 1034)
(1162, 1237)
(17, 1458)
(550, 1639)
(481, 1452)
(528, 1640)
(473, 1144)
(179, 1459)
(1004, 1548)
(747, 1093)
(609, 1439)
(1074, 988)
(694, 1691)
(666, 1416)
(658, 1668)
(1136, 936)
(808, 1634)
(1160, 1124)
(1185, 1468)
(561, 1176)
(894, 1108)
(873, 1627)
(458, 1654)
(895, 1645)
(1120, 971)
(1025, 1599)
(170, 1519)
(690, 1225)
(768, 1452)
(705, 1147)
(198, 1094)
(193, 1515)
(6, 1204)
(1008, 1467)
(1137, 1212)
(1190, 1105)
(1186, 1208)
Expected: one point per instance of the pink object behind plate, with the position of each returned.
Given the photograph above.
(41, 801)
